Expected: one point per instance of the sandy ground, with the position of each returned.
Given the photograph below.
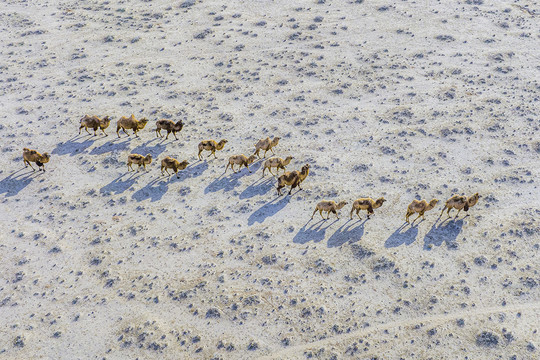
(401, 99)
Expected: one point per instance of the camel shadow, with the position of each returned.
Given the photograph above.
(258, 187)
(72, 146)
(223, 182)
(110, 147)
(316, 232)
(400, 237)
(443, 232)
(119, 185)
(351, 232)
(269, 209)
(195, 170)
(12, 184)
(154, 191)
(146, 148)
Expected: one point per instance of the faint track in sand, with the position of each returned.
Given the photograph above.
(292, 352)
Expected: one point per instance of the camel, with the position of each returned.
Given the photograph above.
(94, 122)
(366, 204)
(171, 163)
(170, 126)
(211, 146)
(240, 160)
(460, 203)
(130, 123)
(276, 162)
(293, 179)
(265, 144)
(419, 206)
(30, 156)
(329, 206)
(139, 160)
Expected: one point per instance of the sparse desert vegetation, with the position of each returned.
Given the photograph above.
(398, 99)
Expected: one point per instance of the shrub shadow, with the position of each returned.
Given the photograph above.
(73, 147)
(443, 232)
(351, 231)
(316, 232)
(119, 185)
(154, 190)
(400, 237)
(12, 184)
(269, 209)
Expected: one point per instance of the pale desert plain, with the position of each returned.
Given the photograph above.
(397, 99)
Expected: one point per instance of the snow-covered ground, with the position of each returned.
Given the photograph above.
(401, 99)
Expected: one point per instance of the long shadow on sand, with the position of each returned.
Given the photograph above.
(74, 146)
(195, 170)
(12, 184)
(260, 186)
(351, 231)
(400, 237)
(114, 144)
(443, 232)
(315, 232)
(269, 209)
(121, 183)
(223, 182)
(154, 190)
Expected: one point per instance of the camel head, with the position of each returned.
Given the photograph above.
(148, 159)
(142, 123)
(221, 144)
(473, 200)
(251, 159)
(341, 204)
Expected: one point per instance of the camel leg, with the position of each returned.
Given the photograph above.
(103, 131)
(174, 133)
(214, 153)
(444, 208)
(124, 129)
(358, 213)
(86, 128)
(335, 212)
(199, 155)
(458, 213)
(265, 153)
(352, 211)
(407, 215)
(314, 211)
(118, 131)
(129, 166)
(272, 150)
(29, 163)
(95, 131)
(168, 132)
(232, 168)
(279, 189)
(274, 175)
